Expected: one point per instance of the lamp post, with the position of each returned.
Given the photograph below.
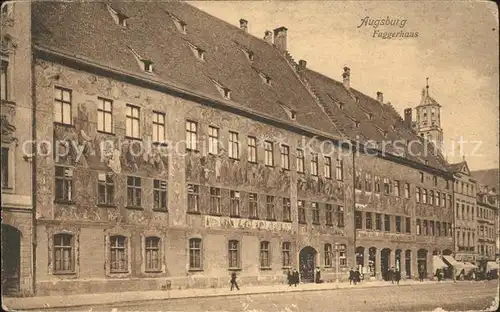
(337, 263)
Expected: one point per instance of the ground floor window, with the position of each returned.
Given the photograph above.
(286, 254)
(195, 254)
(118, 254)
(153, 262)
(64, 261)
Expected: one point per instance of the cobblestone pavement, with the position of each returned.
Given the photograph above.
(462, 296)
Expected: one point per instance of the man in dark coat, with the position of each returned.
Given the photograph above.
(421, 273)
(289, 278)
(318, 276)
(233, 281)
(397, 276)
(295, 277)
(351, 276)
(357, 276)
(390, 275)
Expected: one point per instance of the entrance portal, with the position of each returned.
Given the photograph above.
(11, 253)
(384, 262)
(307, 263)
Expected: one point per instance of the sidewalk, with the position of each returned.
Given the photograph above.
(85, 300)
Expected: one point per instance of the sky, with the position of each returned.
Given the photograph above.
(456, 47)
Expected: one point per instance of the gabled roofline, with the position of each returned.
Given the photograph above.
(82, 63)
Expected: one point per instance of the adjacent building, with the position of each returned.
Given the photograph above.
(16, 170)
(487, 223)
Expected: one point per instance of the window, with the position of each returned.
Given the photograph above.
(285, 252)
(314, 164)
(443, 200)
(301, 211)
(118, 253)
(396, 188)
(387, 223)
(300, 161)
(270, 208)
(265, 261)
(268, 154)
(106, 189)
(134, 191)
(213, 140)
(407, 190)
(287, 210)
(377, 184)
(329, 214)
(64, 184)
(193, 195)
(419, 230)
(5, 166)
(153, 258)
(4, 80)
(191, 135)
(368, 182)
(431, 197)
(398, 224)
(340, 216)
(158, 127)
(417, 195)
(285, 157)
(327, 169)
(62, 105)
(252, 149)
(424, 196)
(159, 195)
(252, 202)
(342, 255)
(358, 219)
(195, 254)
(378, 222)
(357, 183)
(447, 184)
(235, 204)
(105, 115)
(421, 177)
(328, 255)
(387, 189)
(368, 220)
(64, 259)
(437, 197)
(408, 225)
(340, 170)
(133, 118)
(315, 212)
(234, 152)
(435, 180)
(234, 254)
(425, 228)
(445, 229)
(438, 228)
(215, 200)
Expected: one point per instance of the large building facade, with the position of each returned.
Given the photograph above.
(16, 118)
(172, 167)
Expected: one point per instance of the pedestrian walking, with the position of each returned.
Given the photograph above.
(421, 273)
(289, 278)
(295, 277)
(454, 274)
(318, 276)
(390, 275)
(397, 276)
(233, 281)
(351, 276)
(357, 276)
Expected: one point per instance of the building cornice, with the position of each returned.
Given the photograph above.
(82, 63)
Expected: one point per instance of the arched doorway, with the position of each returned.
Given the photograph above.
(307, 264)
(11, 255)
(397, 260)
(372, 251)
(447, 252)
(408, 263)
(385, 254)
(422, 261)
(360, 257)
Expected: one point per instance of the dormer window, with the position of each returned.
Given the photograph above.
(393, 127)
(145, 64)
(341, 105)
(197, 51)
(356, 124)
(119, 18)
(385, 134)
(426, 162)
(370, 116)
(249, 54)
(224, 91)
(292, 114)
(179, 24)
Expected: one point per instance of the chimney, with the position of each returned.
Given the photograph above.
(408, 117)
(280, 38)
(380, 97)
(268, 36)
(347, 77)
(302, 65)
(244, 25)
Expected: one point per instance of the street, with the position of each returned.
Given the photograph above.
(462, 296)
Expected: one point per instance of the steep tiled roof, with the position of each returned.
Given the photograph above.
(455, 167)
(385, 124)
(87, 29)
(489, 177)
